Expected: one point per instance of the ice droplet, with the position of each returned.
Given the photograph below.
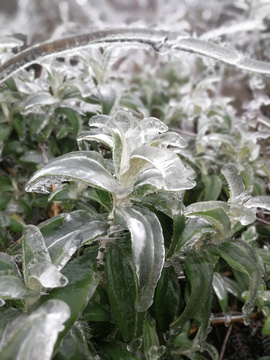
(228, 319)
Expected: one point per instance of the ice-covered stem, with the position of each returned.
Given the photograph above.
(157, 39)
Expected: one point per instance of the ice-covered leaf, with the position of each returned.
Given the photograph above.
(12, 287)
(99, 137)
(86, 167)
(83, 280)
(7, 262)
(116, 351)
(108, 98)
(150, 180)
(220, 289)
(212, 187)
(39, 99)
(150, 337)
(235, 182)
(167, 292)
(176, 176)
(225, 217)
(148, 250)
(32, 337)
(196, 231)
(169, 139)
(37, 266)
(199, 269)
(65, 233)
(215, 212)
(260, 201)
(242, 257)
(75, 345)
(79, 85)
(123, 291)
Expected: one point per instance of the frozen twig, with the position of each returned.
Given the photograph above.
(159, 40)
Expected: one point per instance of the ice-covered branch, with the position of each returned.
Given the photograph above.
(159, 40)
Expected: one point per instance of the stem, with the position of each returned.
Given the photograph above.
(159, 40)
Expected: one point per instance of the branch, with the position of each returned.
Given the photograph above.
(159, 40)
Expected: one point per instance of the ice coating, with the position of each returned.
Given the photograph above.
(159, 40)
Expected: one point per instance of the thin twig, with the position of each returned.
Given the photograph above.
(225, 342)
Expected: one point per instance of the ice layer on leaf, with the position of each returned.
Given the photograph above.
(37, 261)
(148, 250)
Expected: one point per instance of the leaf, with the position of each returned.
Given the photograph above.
(74, 345)
(108, 98)
(169, 139)
(242, 257)
(199, 270)
(65, 233)
(167, 292)
(178, 228)
(220, 290)
(8, 263)
(215, 212)
(39, 99)
(150, 337)
(72, 116)
(147, 247)
(118, 351)
(123, 292)
(212, 187)
(37, 265)
(225, 217)
(24, 332)
(258, 202)
(176, 176)
(196, 231)
(235, 181)
(100, 138)
(86, 167)
(82, 283)
(12, 287)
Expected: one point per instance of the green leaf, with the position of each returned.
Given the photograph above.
(37, 266)
(118, 351)
(178, 228)
(72, 116)
(65, 233)
(235, 182)
(220, 290)
(97, 312)
(167, 292)
(150, 337)
(196, 232)
(24, 332)
(215, 212)
(199, 270)
(19, 125)
(212, 187)
(74, 345)
(266, 327)
(82, 283)
(123, 292)
(242, 257)
(147, 247)
(86, 167)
